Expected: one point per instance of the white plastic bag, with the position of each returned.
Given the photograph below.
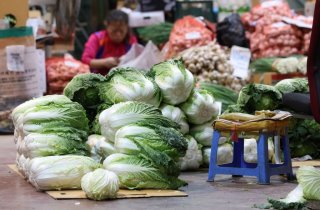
(149, 56)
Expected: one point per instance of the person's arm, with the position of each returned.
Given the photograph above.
(104, 63)
(89, 54)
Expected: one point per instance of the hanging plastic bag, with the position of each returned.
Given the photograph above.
(145, 60)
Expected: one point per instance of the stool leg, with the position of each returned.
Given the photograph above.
(213, 155)
(263, 164)
(287, 158)
(238, 154)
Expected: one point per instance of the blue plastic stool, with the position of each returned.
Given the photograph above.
(262, 169)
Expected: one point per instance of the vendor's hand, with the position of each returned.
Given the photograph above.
(111, 62)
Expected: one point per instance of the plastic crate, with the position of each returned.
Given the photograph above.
(194, 8)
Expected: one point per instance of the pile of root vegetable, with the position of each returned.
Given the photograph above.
(210, 63)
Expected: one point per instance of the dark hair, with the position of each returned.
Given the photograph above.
(117, 15)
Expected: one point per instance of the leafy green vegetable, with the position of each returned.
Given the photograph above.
(84, 89)
(223, 94)
(174, 80)
(262, 65)
(100, 184)
(296, 85)
(158, 34)
(255, 97)
(100, 148)
(224, 154)
(309, 178)
(304, 138)
(202, 133)
(200, 107)
(129, 84)
(193, 157)
(66, 115)
(162, 146)
(40, 145)
(138, 173)
(59, 172)
(126, 113)
(19, 110)
(175, 114)
(293, 201)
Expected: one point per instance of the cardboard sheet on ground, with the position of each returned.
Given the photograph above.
(79, 194)
(142, 57)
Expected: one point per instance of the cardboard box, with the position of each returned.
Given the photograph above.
(141, 19)
(18, 8)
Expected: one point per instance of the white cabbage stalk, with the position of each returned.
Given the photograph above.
(193, 158)
(100, 147)
(100, 184)
(59, 172)
(202, 133)
(200, 107)
(225, 154)
(176, 115)
(175, 81)
(250, 150)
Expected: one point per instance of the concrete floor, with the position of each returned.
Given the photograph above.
(225, 193)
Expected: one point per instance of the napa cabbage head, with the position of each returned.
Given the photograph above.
(136, 172)
(84, 89)
(100, 148)
(100, 184)
(40, 145)
(19, 110)
(202, 133)
(255, 97)
(129, 84)
(224, 154)
(295, 85)
(176, 115)
(309, 178)
(160, 145)
(59, 172)
(193, 157)
(126, 113)
(57, 115)
(200, 107)
(175, 81)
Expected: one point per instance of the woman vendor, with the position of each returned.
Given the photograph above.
(104, 48)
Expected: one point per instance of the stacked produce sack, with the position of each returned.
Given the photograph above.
(269, 36)
(187, 32)
(211, 63)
